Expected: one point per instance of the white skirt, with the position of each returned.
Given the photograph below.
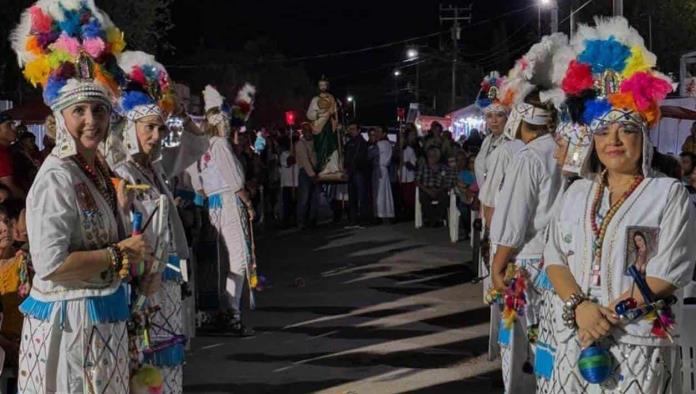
(69, 354)
(637, 369)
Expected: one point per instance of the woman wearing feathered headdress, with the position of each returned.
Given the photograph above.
(230, 208)
(137, 156)
(612, 88)
(74, 338)
(523, 210)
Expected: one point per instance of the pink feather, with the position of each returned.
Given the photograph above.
(67, 44)
(40, 22)
(138, 76)
(94, 46)
(163, 81)
(646, 89)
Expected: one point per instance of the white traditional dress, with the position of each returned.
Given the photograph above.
(167, 236)
(532, 182)
(497, 162)
(642, 363)
(490, 143)
(168, 321)
(222, 177)
(497, 165)
(381, 185)
(74, 338)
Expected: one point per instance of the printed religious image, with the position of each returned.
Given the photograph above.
(641, 246)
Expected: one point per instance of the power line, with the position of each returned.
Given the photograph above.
(361, 50)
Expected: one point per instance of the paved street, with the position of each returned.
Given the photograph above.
(382, 310)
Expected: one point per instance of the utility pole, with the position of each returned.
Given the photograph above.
(618, 7)
(455, 15)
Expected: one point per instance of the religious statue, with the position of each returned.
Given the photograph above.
(323, 114)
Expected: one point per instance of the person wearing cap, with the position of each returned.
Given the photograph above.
(74, 334)
(621, 235)
(8, 135)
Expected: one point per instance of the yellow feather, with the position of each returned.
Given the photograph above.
(115, 37)
(37, 70)
(635, 63)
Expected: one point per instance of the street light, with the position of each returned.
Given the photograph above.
(412, 53)
(351, 100)
(397, 73)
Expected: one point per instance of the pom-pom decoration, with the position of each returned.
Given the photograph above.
(594, 364)
(514, 297)
(147, 380)
(55, 34)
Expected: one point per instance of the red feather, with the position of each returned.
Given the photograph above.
(578, 78)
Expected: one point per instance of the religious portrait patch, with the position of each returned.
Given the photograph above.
(641, 246)
(85, 200)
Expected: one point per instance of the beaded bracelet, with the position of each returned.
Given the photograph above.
(569, 307)
(119, 260)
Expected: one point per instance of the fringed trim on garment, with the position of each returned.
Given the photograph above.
(188, 195)
(169, 357)
(106, 309)
(111, 308)
(215, 201)
(542, 281)
(171, 273)
(40, 310)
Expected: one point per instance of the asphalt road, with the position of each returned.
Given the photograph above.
(383, 310)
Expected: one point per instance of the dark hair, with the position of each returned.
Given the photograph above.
(533, 99)
(666, 164)
(27, 135)
(639, 234)
(689, 155)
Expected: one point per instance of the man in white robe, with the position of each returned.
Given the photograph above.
(381, 184)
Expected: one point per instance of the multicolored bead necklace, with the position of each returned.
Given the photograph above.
(600, 229)
(99, 178)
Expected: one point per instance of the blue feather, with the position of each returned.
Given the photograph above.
(594, 109)
(92, 29)
(483, 102)
(52, 89)
(71, 24)
(133, 99)
(605, 55)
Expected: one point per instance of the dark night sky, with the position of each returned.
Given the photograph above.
(305, 28)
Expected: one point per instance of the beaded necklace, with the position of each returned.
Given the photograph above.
(99, 178)
(600, 229)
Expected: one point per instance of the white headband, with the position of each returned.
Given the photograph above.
(525, 112)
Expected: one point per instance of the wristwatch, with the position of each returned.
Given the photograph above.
(569, 307)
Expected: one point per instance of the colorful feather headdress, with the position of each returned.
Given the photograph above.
(147, 91)
(148, 88)
(213, 100)
(68, 48)
(612, 77)
(488, 98)
(534, 72)
(243, 104)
